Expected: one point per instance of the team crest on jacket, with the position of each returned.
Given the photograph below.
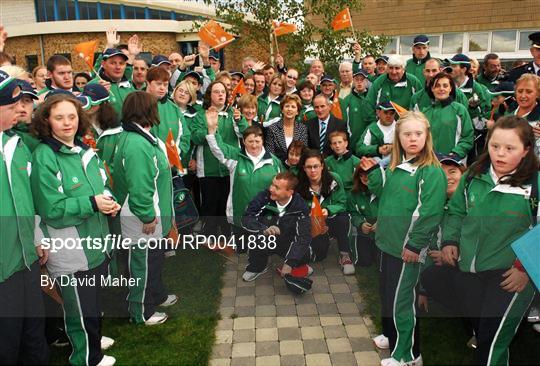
(75, 180)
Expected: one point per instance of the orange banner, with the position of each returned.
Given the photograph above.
(342, 20)
(336, 108)
(318, 222)
(86, 50)
(214, 35)
(172, 152)
(240, 88)
(399, 109)
(282, 28)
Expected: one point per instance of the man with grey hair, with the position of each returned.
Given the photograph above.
(346, 78)
(396, 86)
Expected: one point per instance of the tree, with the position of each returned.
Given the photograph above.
(315, 38)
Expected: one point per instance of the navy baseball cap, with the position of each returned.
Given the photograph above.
(96, 93)
(27, 89)
(382, 58)
(327, 78)
(535, 39)
(460, 59)
(385, 106)
(449, 159)
(193, 74)
(111, 52)
(361, 72)
(421, 39)
(10, 92)
(85, 101)
(213, 54)
(503, 88)
(54, 92)
(237, 73)
(160, 59)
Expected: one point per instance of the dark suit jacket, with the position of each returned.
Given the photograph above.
(334, 124)
(518, 71)
(275, 138)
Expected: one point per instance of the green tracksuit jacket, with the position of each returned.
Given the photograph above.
(118, 92)
(421, 100)
(482, 111)
(142, 182)
(172, 119)
(489, 84)
(64, 182)
(372, 138)
(23, 131)
(363, 207)
(106, 146)
(411, 206)
(268, 111)
(451, 128)
(228, 129)
(357, 111)
(336, 201)
(306, 113)
(247, 179)
(343, 166)
(17, 209)
(415, 67)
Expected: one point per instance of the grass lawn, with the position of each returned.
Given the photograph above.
(188, 335)
(443, 341)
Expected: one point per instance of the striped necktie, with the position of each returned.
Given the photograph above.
(322, 135)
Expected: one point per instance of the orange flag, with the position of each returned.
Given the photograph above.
(240, 88)
(109, 175)
(336, 109)
(172, 152)
(342, 20)
(399, 109)
(318, 222)
(86, 51)
(282, 28)
(214, 35)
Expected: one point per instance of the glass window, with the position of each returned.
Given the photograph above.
(452, 43)
(434, 43)
(88, 10)
(66, 10)
(45, 10)
(524, 42)
(31, 62)
(391, 47)
(503, 41)
(478, 42)
(405, 44)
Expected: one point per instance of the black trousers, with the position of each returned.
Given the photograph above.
(258, 257)
(366, 250)
(214, 193)
(192, 183)
(22, 320)
(339, 227)
(494, 313)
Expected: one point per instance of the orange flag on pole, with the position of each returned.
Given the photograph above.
(282, 28)
(240, 88)
(214, 35)
(342, 20)
(399, 109)
(86, 50)
(172, 152)
(318, 222)
(336, 109)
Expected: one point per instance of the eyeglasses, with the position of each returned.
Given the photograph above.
(182, 92)
(292, 77)
(312, 167)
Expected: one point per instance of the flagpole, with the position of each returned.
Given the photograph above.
(277, 44)
(219, 45)
(352, 26)
(271, 44)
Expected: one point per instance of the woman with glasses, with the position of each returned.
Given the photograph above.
(291, 78)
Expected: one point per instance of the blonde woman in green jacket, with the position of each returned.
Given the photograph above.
(72, 198)
(412, 194)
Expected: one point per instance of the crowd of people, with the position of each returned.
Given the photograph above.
(425, 168)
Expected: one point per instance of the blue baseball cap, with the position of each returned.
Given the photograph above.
(96, 93)
(382, 58)
(327, 78)
(361, 72)
(111, 52)
(85, 101)
(449, 159)
(193, 74)
(421, 39)
(460, 59)
(27, 89)
(160, 59)
(237, 73)
(10, 92)
(54, 92)
(503, 88)
(385, 106)
(213, 54)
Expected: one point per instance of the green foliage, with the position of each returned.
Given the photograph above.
(315, 38)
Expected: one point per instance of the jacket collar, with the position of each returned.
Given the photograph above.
(408, 165)
(444, 103)
(123, 83)
(345, 156)
(297, 204)
(136, 128)
(421, 61)
(358, 95)
(57, 146)
(48, 85)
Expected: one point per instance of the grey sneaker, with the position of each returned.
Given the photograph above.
(252, 276)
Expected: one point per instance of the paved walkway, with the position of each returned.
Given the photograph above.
(263, 324)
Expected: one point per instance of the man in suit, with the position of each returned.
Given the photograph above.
(319, 128)
(532, 67)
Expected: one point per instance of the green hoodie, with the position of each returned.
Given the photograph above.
(64, 182)
(415, 67)
(247, 178)
(411, 206)
(451, 128)
(357, 111)
(117, 93)
(484, 218)
(229, 130)
(343, 166)
(142, 181)
(17, 209)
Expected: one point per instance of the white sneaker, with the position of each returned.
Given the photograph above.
(170, 301)
(381, 342)
(107, 361)
(534, 315)
(391, 362)
(347, 265)
(416, 362)
(106, 343)
(157, 318)
(169, 253)
(472, 343)
(536, 327)
(252, 276)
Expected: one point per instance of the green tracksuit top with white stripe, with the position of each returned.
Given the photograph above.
(171, 118)
(473, 89)
(306, 113)
(363, 207)
(358, 118)
(106, 146)
(117, 93)
(451, 128)
(247, 178)
(484, 218)
(411, 205)
(268, 111)
(336, 201)
(17, 209)
(374, 137)
(22, 130)
(415, 67)
(343, 166)
(142, 178)
(228, 129)
(421, 100)
(64, 181)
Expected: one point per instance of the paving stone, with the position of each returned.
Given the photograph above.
(367, 358)
(265, 300)
(304, 299)
(245, 300)
(291, 348)
(267, 361)
(340, 289)
(319, 288)
(264, 289)
(245, 311)
(243, 361)
(228, 301)
(334, 331)
(318, 360)
(228, 291)
(220, 362)
(315, 332)
(266, 322)
(343, 298)
(352, 319)
(343, 359)
(245, 291)
(351, 280)
(242, 283)
(244, 323)
(284, 300)
(361, 344)
(327, 309)
(287, 321)
(309, 321)
(332, 280)
(319, 278)
(265, 310)
(224, 324)
(357, 331)
(313, 346)
(221, 350)
(348, 308)
(266, 334)
(268, 348)
(338, 345)
(306, 309)
(289, 334)
(243, 335)
(285, 310)
(226, 312)
(357, 298)
(245, 349)
(224, 336)
(293, 360)
(324, 298)
(331, 320)
(333, 271)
